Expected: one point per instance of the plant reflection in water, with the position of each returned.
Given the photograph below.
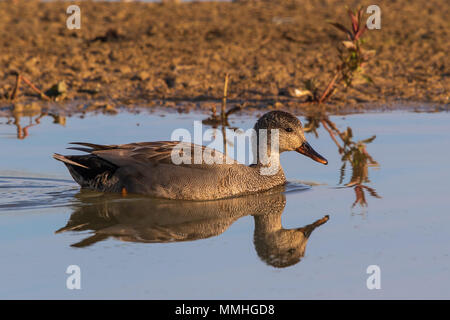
(23, 131)
(352, 152)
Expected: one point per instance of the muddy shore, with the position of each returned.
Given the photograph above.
(176, 55)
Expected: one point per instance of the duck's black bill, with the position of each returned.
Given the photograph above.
(308, 151)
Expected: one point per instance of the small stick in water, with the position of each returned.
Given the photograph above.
(16, 87)
(224, 99)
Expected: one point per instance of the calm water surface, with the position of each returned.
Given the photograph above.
(387, 207)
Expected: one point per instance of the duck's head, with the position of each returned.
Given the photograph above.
(280, 247)
(290, 133)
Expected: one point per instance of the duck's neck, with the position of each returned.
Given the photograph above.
(267, 223)
(267, 156)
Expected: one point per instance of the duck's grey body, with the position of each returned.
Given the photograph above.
(147, 167)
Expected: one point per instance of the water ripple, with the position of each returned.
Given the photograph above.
(24, 192)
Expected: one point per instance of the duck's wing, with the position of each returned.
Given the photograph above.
(97, 169)
(152, 152)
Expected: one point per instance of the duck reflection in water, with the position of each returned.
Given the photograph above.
(141, 219)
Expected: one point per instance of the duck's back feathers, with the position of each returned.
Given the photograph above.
(144, 167)
(146, 152)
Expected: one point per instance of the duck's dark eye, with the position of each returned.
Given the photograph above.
(288, 129)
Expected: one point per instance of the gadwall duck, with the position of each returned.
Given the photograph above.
(148, 167)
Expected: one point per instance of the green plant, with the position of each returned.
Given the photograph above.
(352, 57)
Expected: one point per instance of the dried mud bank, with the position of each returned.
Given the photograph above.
(175, 55)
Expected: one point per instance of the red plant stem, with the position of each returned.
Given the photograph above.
(333, 126)
(330, 132)
(329, 88)
(28, 82)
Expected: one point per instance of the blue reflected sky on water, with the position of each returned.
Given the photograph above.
(405, 232)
